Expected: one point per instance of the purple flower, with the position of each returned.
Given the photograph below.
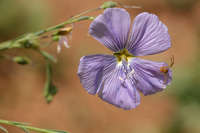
(118, 78)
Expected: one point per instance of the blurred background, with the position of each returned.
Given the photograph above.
(175, 110)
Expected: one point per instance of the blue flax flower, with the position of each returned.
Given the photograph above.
(118, 78)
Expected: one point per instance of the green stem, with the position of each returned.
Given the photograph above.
(24, 126)
(85, 12)
(57, 26)
(74, 19)
(7, 45)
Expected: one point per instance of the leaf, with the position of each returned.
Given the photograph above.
(50, 89)
(56, 131)
(3, 129)
(48, 56)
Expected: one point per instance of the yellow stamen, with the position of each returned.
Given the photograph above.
(123, 55)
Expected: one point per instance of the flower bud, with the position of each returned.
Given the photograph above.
(63, 31)
(21, 60)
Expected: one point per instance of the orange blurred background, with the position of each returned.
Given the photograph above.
(73, 109)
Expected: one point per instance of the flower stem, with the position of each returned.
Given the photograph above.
(74, 19)
(7, 44)
(70, 21)
(85, 12)
(31, 128)
(4, 45)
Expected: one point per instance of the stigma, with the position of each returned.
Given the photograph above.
(123, 55)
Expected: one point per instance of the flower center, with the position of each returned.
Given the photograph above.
(123, 55)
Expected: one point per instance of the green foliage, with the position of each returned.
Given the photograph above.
(48, 56)
(22, 60)
(31, 41)
(3, 129)
(50, 89)
(26, 128)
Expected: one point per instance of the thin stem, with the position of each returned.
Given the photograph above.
(75, 18)
(6, 45)
(70, 21)
(24, 126)
(85, 12)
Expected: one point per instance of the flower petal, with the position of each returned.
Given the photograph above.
(149, 36)
(117, 89)
(59, 46)
(149, 75)
(90, 70)
(111, 28)
(101, 74)
(62, 40)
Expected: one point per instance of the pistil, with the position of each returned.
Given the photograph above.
(123, 55)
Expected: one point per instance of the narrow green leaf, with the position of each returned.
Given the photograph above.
(56, 131)
(50, 89)
(3, 129)
(26, 128)
(48, 56)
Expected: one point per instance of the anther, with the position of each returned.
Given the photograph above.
(164, 69)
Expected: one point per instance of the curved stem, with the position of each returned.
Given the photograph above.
(4, 45)
(85, 12)
(70, 21)
(75, 18)
(24, 126)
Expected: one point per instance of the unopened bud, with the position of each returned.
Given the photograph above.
(21, 60)
(29, 41)
(63, 31)
(91, 18)
(27, 44)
